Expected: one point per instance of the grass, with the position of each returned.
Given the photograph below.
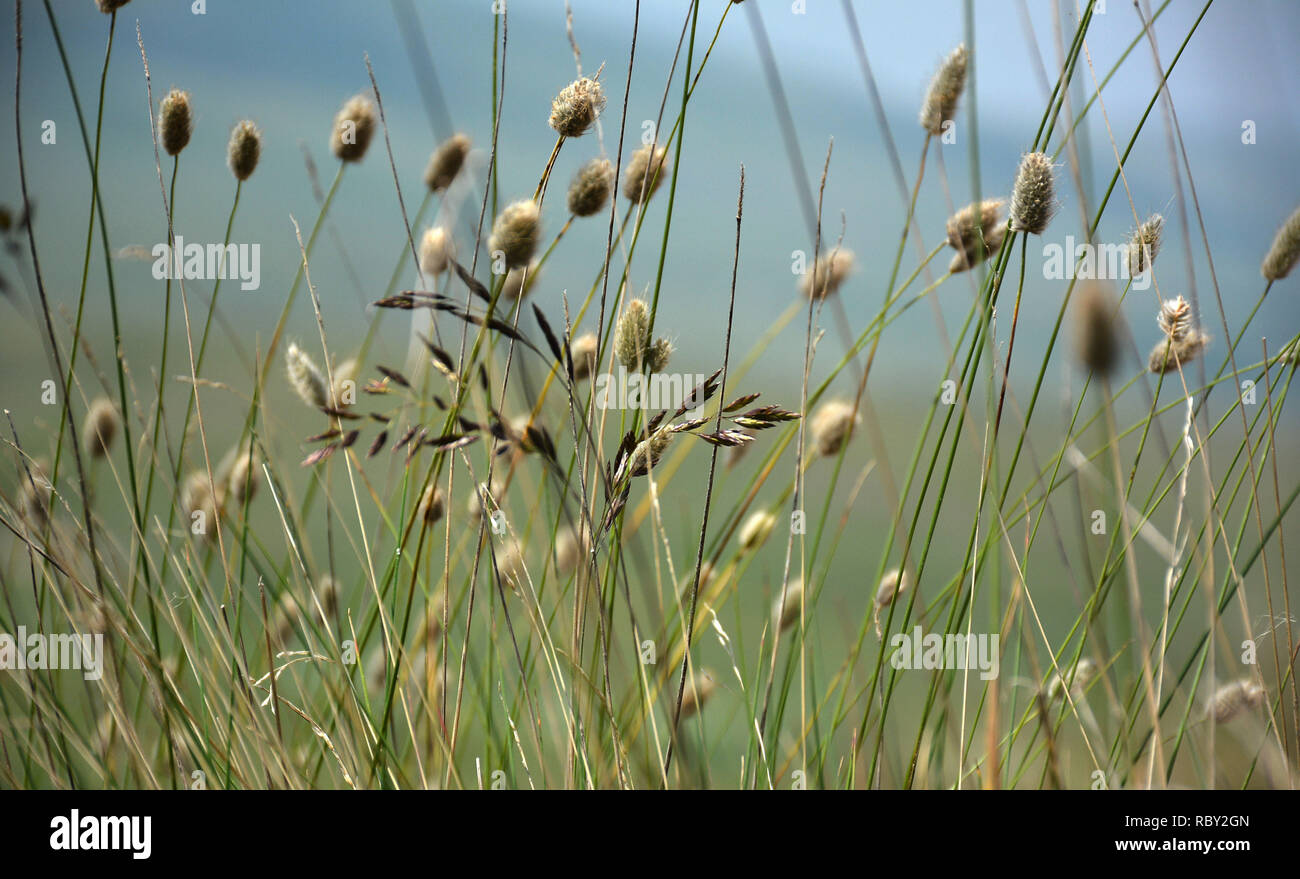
(580, 612)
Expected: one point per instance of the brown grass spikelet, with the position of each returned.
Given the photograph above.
(577, 106)
(515, 233)
(583, 351)
(647, 453)
(100, 428)
(699, 689)
(306, 378)
(1033, 198)
(1285, 252)
(446, 162)
(109, 6)
(1097, 323)
(757, 529)
(645, 173)
(242, 481)
(1145, 244)
(244, 150)
(829, 273)
(832, 426)
(36, 492)
(354, 126)
(436, 249)
(591, 186)
(787, 607)
(1231, 700)
(175, 121)
(945, 90)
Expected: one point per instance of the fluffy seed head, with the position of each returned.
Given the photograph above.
(571, 546)
(591, 187)
(1075, 681)
(632, 335)
(175, 121)
(1097, 324)
(974, 255)
(431, 504)
(1175, 318)
(945, 89)
(699, 689)
(576, 107)
(515, 233)
(648, 452)
(976, 219)
(519, 281)
(892, 585)
(197, 497)
(36, 492)
(757, 528)
(1285, 252)
(241, 482)
(446, 162)
(786, 613)
(244, 150)
(100, 428)
(1232, 699)
(107, 6)
(832, 426)
(510, 565)
(830, 271)
(436, 248)
(1033, 200)
(305, 377)
(354, 125)
(656, 360)
(644, 173)
(1145, 244)
(343, 393)
(583, 351)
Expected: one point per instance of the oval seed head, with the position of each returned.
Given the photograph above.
(354, 125)
(576, 107)
(699, 689)
(436, 248)
(244, 150)
(1145, 244)
(1168, 354)
(786, 613)
(892, 585)
(757, 528)
(107, 6)
(974, 255)
(973, 221)
(515, 233)
(591, 187)
(36, 492)
(305, 378)
(1097, 328)
(1033, 200)
(242, 481)
(1285, 252)
(431, 504)
(830, 271)
(571, 546)
(1232, 699)
(343, 393)
(446, 162)
(945, 89)
(510, 565)
(1075, 681)
(175, 121)
(1175, 318)
(583, 351)
(632, 335)
(197, 497)
(656, 359)
(644, 173)
(519, 281)
(648, 452)
(100, 428)
(832, 426)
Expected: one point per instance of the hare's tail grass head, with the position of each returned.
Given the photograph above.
(945, 90)
(828, 274)
(591, 186)
(1285, 252)
(832, 425)
(1097, 328)
(101, 427)
(446, 162)
(1033, 198)
(515, 233)
(244, 150)
(306, 378)
(1145, 244)
(645, 173)
(354, 126)
(436, 249)
(175, 121)
(577, 106)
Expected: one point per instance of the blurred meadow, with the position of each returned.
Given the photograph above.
(1119, 521)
